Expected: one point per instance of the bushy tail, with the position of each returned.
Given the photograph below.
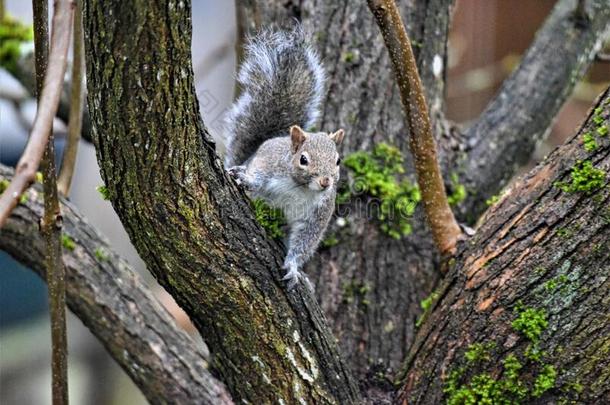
(282, 81)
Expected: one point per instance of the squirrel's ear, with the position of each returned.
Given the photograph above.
(298, 136)
(337, 137)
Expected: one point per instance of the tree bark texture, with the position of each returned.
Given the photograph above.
(376, 327)
(115, 304)
(540, 248)
(188, 221)
(196, 233)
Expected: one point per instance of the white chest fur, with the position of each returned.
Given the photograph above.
(294, 200)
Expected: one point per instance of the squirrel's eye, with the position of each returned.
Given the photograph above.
(304, 160)
(338, 161)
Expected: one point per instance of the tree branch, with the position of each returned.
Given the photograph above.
(542, 249)
(445, 229)
(506, 133)
(50, 225)
(47, 107)
(189, 222)
(116, 305)
(77, 99)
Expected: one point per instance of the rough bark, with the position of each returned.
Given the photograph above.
(116, 305)
(188, 221)
(520, 116)
(541, 248)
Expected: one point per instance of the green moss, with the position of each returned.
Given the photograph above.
(553, 283)
(545, 381)
(509, 387)
(533, 353)
(103, 192)
(589, 142)
(539, 271)
(602, 130)
(272, 219)
(484, 389)
(356, 289)
(101, 254)
(564, 232)
(348, 57)
(378, 174)
(416, 44)
(39, 177)
(12, 35)
(4, 185)
(330, 241)
(492, 200)
(458, 193)
(67, 242)
(478, 352)
(426, 305)
(531, 322)
(584, 178)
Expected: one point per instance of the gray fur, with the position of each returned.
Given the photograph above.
(275, 174)
(270, 155)
(282, 83)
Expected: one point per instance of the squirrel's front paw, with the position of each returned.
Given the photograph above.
(239, 174)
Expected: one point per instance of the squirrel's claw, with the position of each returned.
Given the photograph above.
(292, 278)
(239, 174)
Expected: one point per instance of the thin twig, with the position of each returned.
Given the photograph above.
(77, 93)
(24, 74)
(445, 229)
(51, 220)
(25, 172)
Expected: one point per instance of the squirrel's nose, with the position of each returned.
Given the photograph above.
(325, 182)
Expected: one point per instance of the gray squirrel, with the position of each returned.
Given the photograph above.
(268, 152)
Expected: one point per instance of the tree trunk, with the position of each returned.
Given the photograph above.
(535, 275)
(187, 219)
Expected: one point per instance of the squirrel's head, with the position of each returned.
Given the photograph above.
(315, 159)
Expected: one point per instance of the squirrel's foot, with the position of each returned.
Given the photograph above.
(293, 276)
(239, 174)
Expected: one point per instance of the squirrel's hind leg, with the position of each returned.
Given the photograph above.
(293, 276)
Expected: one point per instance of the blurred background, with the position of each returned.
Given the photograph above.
(487, 40)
